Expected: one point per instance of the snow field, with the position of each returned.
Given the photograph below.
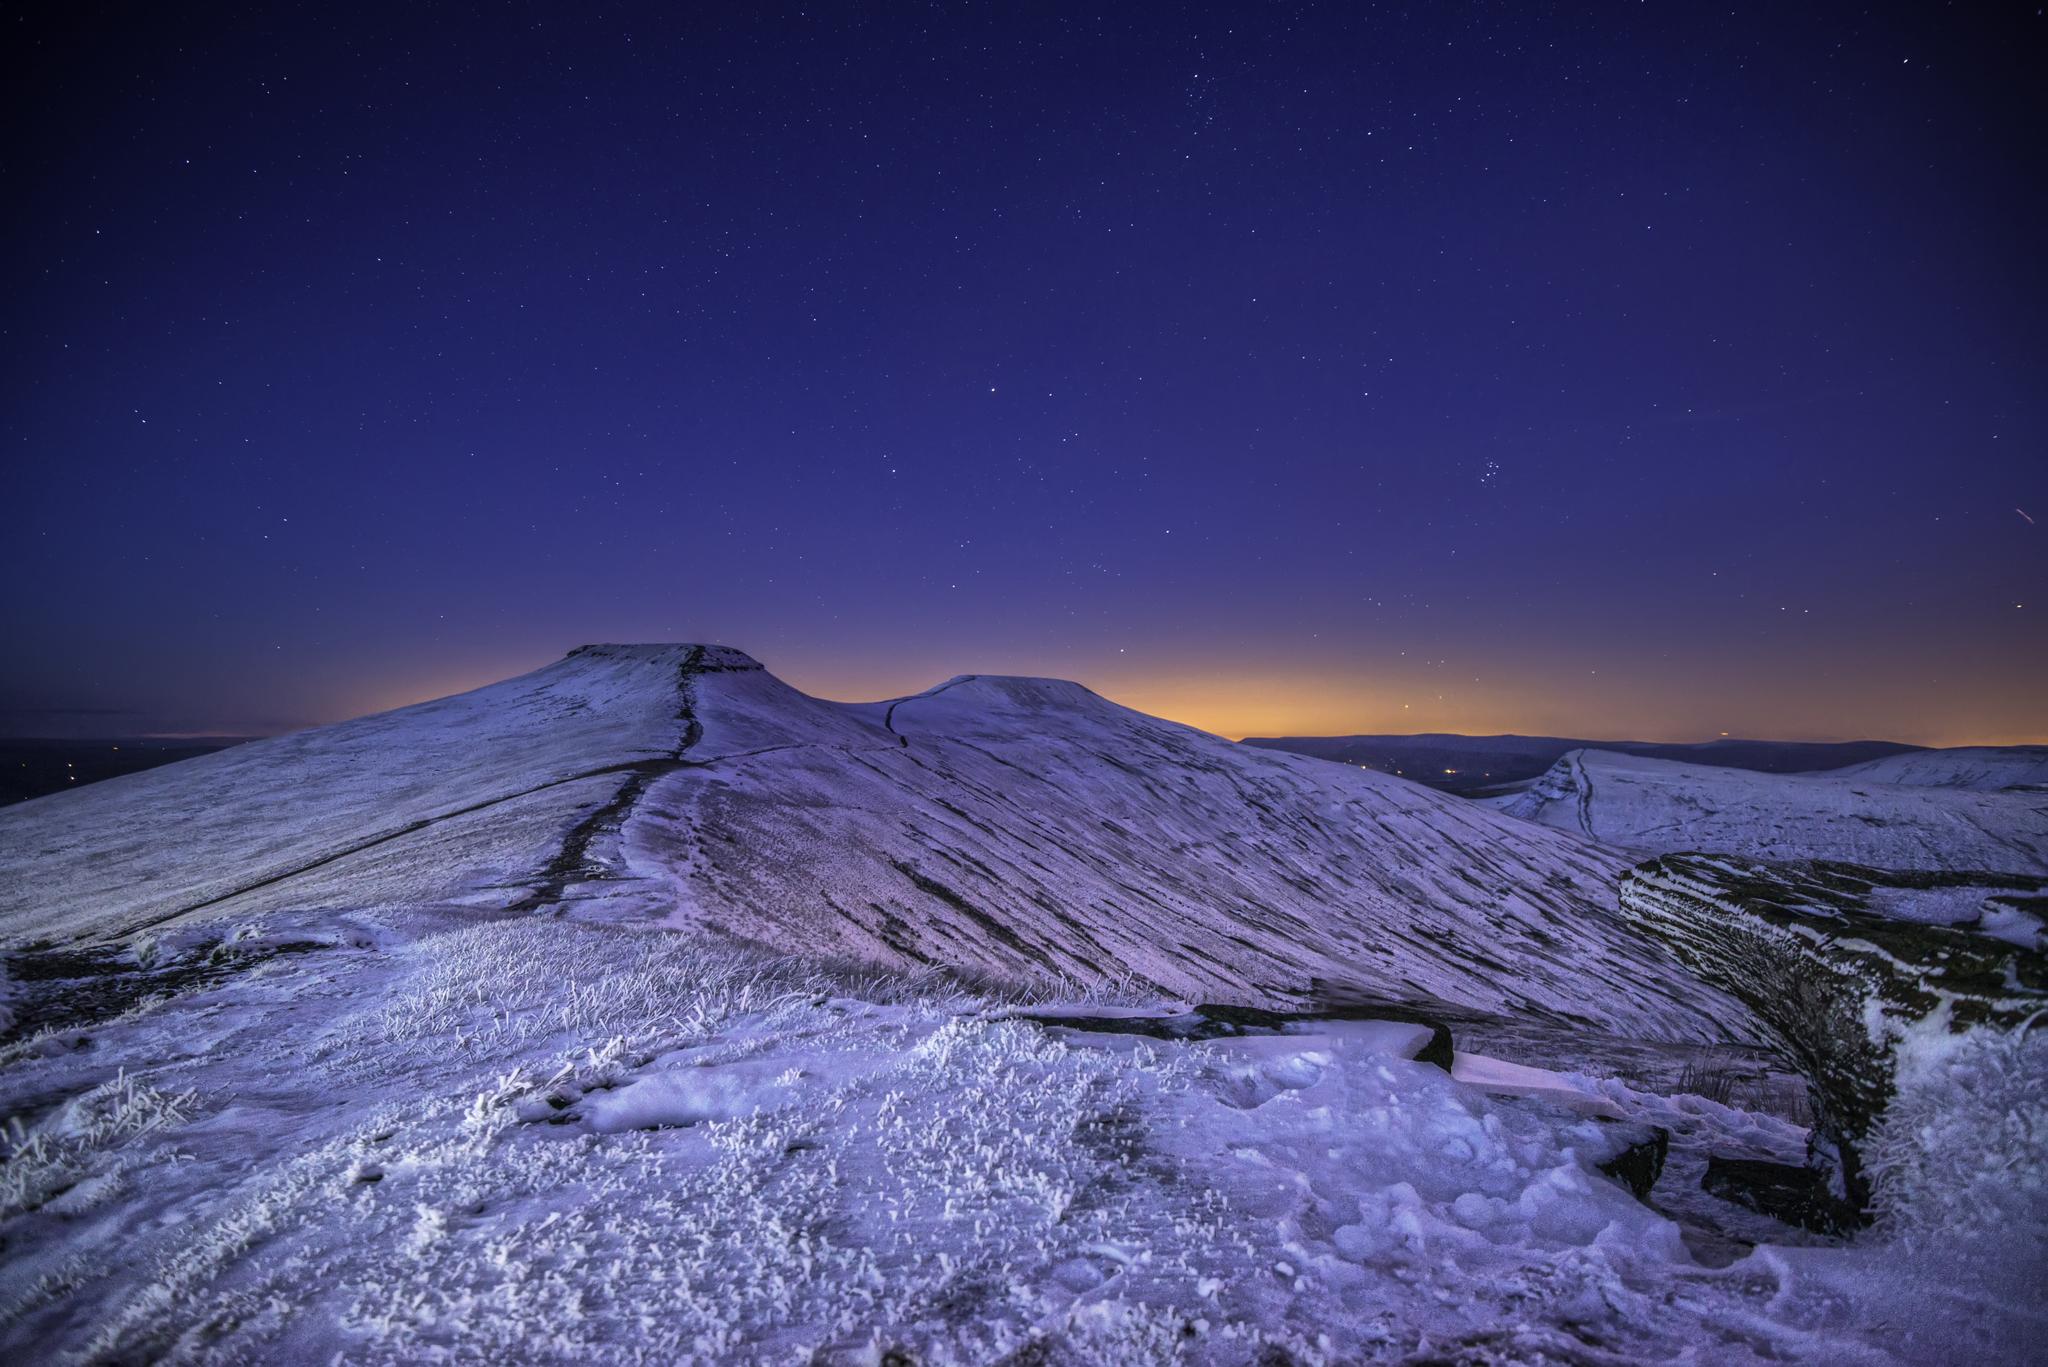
(428, 1144)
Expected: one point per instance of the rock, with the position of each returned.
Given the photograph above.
(1225, 1021)
(1798, 1195)
(1839, 985)
(1641, 1160)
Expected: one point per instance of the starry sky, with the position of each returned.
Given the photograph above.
(1631, 370)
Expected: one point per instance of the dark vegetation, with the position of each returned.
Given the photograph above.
(66, 989)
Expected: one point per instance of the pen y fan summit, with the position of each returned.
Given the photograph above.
(1014, 828)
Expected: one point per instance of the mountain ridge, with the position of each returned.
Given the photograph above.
(1014, 827)
(1475, 765)
(1660, 806)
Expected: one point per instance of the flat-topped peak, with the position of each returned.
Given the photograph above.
(1024, 690)
(678, 653)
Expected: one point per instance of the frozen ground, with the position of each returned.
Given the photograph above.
(417, 1136)
(1938, 812)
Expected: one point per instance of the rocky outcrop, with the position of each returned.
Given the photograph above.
(1639, 1161)
(1840, 985)
(1797, 1195)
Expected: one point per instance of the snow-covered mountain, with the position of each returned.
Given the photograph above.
(1013, 828)
(1479, 765)
(600, 1016)
(1849, 815)
(1985, 768)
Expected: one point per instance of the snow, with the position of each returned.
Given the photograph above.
(1982, 768)
(2014, 926)
(416, 1143)
(1398, 1038)
(1502, 1078)
(1024, 830)
(1663, 807)
(690, 1096)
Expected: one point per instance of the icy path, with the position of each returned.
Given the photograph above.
(540, 1141)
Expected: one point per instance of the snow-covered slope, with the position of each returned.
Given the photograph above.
(533, 1140)
(1658, 806)
(411, 805)
(1478, 765)
(1985, 768)
(1017, 828)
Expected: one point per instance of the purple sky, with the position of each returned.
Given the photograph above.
(1639, 371)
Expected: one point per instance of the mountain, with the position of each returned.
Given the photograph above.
(645, 1009)
(1870, 925)
(1985, 768)
(1658, 806)
(1020, 829)
(1474, 765)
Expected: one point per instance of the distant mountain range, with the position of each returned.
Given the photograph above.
(1477, 765)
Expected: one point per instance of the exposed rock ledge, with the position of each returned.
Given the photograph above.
(1841, 985)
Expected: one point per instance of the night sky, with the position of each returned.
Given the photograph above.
(1649, 370)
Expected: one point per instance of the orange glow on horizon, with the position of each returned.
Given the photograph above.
(1234, 705)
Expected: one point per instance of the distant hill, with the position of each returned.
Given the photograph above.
(1984, 768)
(1476, 765)
(1941, 821)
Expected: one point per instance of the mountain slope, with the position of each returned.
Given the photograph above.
(1013, 827)
(1477, 764)
(1662, 807)
(1985, 768)
(411, 805)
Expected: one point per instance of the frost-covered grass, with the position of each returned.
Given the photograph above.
(49, 1160)
(1960, 1164)
(542, 1141)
